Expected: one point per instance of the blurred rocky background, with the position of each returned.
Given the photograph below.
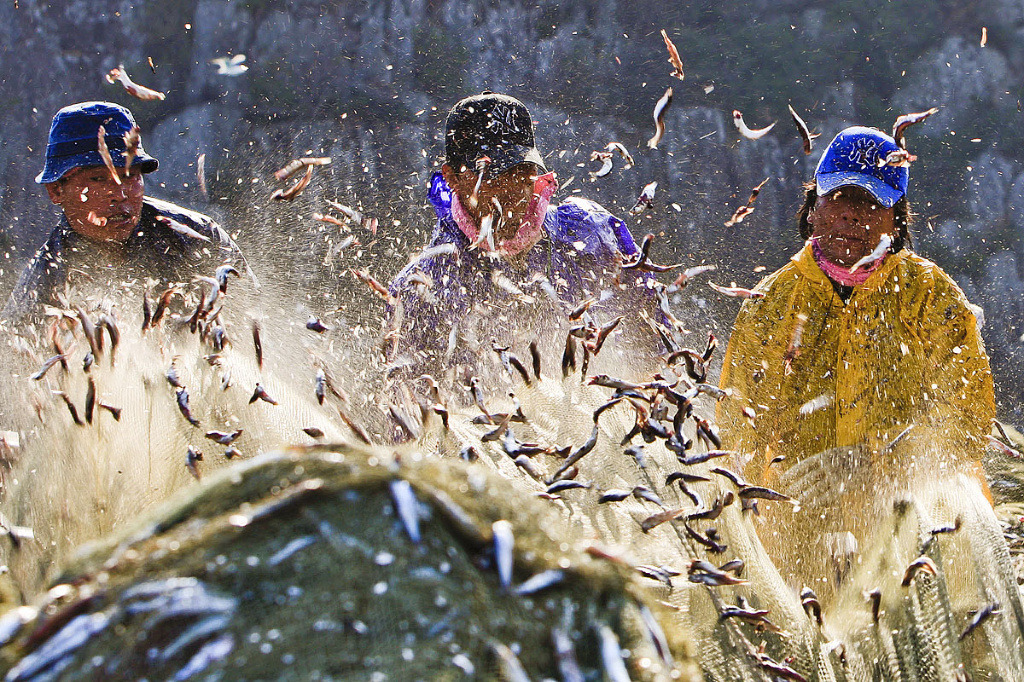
(368, 83)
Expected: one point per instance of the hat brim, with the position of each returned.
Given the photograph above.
(56, 168)
(510, 156)
(886, 195)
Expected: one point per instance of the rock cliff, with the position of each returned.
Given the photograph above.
(368, 84)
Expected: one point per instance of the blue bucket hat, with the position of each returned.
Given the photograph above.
(853, 158)
(73, 144)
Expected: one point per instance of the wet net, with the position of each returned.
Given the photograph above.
(918, 584)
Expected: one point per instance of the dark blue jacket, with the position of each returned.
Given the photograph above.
(154, 251)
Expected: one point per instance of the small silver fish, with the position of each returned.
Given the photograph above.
(565, 654)
(504, 546)
(172, 376)
(623, 152)
(222, 276)
(645, 198)
(407, 507)
(313, 323)
(673, 57)
(260, 393)
(320, 385)
(922, 563)
(736, 292)
(90, 400)
(611, 655)
(606, 164)
(192, 459)
(119, 75)
(182, 396)
(884, 244)
(659, 119)
(540, 581)
(223, 438)
(737, 119)
(296, 189)
(46, 367)
(230, 66)
(181, 229)
(980, 617)
(907, 120)
(805, 134)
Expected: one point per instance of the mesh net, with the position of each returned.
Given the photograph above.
(72, 483)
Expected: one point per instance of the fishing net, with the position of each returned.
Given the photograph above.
(560, 412)
(842, 546)
(345, 564)
(70, 483)
(72, 479)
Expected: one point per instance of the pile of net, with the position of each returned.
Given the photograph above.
(346, 563)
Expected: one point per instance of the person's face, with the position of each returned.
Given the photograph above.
(97, 207)
(513, 189)
(848, 224)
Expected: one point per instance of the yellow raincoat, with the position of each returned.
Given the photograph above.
(903, 350)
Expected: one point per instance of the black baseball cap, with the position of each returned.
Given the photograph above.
(492, 125)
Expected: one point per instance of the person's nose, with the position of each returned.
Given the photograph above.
(119, 193)
(849, 214)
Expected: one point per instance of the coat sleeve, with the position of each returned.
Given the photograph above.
(740, 370)
(38, 283)
(958, 402)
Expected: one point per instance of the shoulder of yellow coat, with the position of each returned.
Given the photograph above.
(785, 276)
(925, 276)
(931, 293)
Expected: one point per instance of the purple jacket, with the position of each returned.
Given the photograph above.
(452, 301)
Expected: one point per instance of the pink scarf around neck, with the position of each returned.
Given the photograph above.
(543, 188)
(841, 274)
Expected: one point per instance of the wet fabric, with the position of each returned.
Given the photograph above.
(451, 300)
(905, 350)
(153, 251)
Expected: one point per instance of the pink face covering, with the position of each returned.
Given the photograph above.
(841, 274)
(529, 230)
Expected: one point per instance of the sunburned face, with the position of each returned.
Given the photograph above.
(512, 189)
(848, 224)
(97, 207)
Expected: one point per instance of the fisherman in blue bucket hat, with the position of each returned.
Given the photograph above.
(109, 231)
(855, 369)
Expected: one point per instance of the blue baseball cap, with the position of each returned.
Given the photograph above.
(73, 139)
(853, 158)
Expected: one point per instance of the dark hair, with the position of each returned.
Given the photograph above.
(902, 216)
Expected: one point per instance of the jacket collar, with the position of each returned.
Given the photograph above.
(822, 285)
